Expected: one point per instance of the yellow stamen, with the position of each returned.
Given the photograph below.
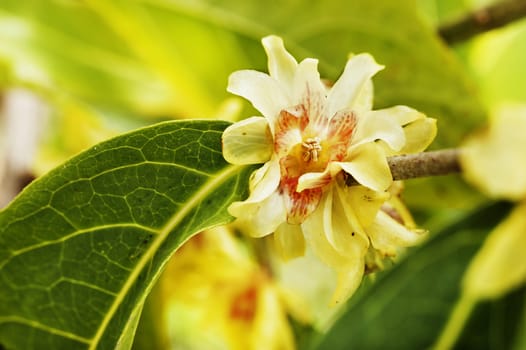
(311, 147)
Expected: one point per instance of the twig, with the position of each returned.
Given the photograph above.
(423, 164)
(482, 20)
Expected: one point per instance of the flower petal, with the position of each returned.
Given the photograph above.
(264, 181)
(330, 233)
(265, 93)
(252, 212)
(289, 241)
(353, 85)
(349, 279)
(270, 328)
(402, 114)
(396, 208)
(495, 160)
(281, 64)
(368, 165)
(300, 205)
(364, 101)
(342, 126)
(247, 142)
(387, 235)
(349, 266)
(499, 265)
(342, 227)
(379, 125)
(314, 231)
(364, 202)
(418, 129)
(313, 180)
(259, 219)
(310, 91)
(308, 95)
(287, 132)
(419, 135)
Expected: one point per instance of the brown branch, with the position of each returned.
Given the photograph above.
(482, 20)
(423, 164)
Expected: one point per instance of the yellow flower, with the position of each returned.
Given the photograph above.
(231, 302)
(494, 160)
(500, 266)
(309, 137)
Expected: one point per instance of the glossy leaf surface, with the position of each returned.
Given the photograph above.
(410, 304)
(81, 247)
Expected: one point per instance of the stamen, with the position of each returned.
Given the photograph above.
(311, 148)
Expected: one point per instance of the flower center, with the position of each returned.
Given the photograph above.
(311, 149)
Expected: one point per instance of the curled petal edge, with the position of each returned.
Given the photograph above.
(368, 165)
(247, 142)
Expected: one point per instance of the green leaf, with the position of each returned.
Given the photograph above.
(496, 60)
(96, 66)
(409, 305)
(497, 324)
(81, 247)
(176, 55)
(152, 332)
(420, 71)
(197, 44)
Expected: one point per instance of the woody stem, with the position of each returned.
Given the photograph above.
(422, 164)
(482, 20)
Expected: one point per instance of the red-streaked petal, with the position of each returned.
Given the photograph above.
(288, 129)
(342, 126)
(340, 132)
(310, 92)
(290, 168)
(299, 205)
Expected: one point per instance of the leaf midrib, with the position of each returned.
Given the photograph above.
(193, 202)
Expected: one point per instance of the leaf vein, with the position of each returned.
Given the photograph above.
(35, 324)
(74, 234)
(191, 204)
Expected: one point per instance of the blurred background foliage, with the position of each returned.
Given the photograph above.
(117, 64)
(104, 67)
